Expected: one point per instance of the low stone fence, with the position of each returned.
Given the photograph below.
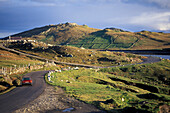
(4, 71)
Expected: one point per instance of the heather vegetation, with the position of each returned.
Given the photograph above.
(139, 88)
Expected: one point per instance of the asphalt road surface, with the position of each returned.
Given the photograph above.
(21, 96)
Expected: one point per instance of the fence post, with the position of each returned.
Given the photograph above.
(15, 67)
(5, 71)
(10, 70)
(2, 70)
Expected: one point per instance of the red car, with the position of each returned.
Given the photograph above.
(27, 81)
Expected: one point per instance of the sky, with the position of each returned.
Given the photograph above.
(131, 15)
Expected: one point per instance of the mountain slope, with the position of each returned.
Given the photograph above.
(109, 38)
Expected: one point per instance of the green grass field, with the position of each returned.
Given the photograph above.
(117, 89)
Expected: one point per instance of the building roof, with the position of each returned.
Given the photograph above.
(15, 38)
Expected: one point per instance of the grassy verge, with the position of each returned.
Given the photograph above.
(115, 95)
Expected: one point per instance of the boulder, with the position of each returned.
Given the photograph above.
(164, 109)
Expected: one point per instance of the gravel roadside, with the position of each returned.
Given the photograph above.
(54, 100)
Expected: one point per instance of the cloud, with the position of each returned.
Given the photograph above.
(158, 21)
(158, 3)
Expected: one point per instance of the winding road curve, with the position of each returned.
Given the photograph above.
(21, 96)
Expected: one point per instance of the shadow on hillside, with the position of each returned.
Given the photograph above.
(167, 44)
(152, 96)
(156, 39)
(105, 59)
(99, 33)
(121, 110)
(102, 34)
(131, 110)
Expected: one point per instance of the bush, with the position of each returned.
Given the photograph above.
(108, 104)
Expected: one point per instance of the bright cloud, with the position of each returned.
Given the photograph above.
(159, 21)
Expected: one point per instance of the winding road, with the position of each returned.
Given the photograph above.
(21, 96)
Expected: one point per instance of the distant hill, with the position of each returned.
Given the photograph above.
(110, 38)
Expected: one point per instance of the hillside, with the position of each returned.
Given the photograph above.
(91, 38)
(9, 59)
(76, 55)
